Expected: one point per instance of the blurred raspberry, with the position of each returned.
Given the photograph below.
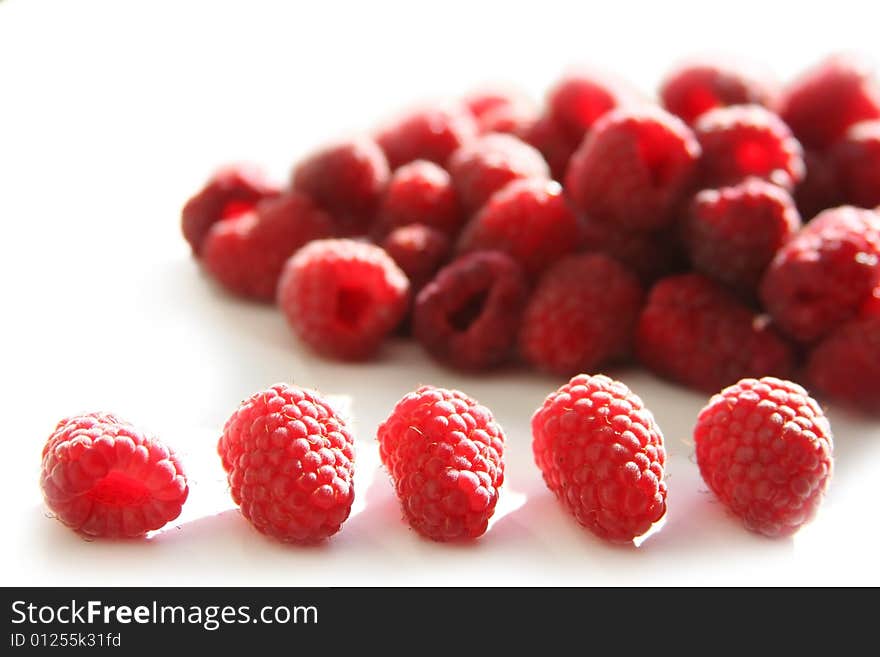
(552, 141)
(421, 192)
(497, 110)
(857, 163)
(819, 189)
(419, 251)
(428, 133)
(581, 98)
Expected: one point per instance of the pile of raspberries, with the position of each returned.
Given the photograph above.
(729, 230)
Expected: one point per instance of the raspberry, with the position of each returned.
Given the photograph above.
(764, 448)
(499, 111)
(734, 232)
(343, 297)
(103, 477)
(820, 189)
(692, 330)
(289, 460)
(428, 133)
(857, 163)
(347, 179)
(552, 142)
(230, 192)
(483, 166)
(827, 99)
(444, 452)
(581, 315)
(529, 220)
(469, 314)
(602, 455)
(748, 140)
(419, 251)
(246, 255)
(581, 98)
(633, 168)
(824, 273)
(421, 192)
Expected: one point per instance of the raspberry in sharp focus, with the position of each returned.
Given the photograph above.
(444, 452)
(343, 297)
(602, 454)
(764, 448)
(419, 251)
(633, 168)
(581, 98)
(856, 160)
(421, 192)
(429, 133)
(693, 331)
(820, 188)
(469, 315)
(289, 460)
(551, 141)
(581, 315)
(103, 477)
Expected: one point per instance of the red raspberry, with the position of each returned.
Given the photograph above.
(827, 99)
(734, 232)
(857, 163)
(483, 166)
(419, 251)
(289, 460)
(824, 273)
(602, 455)
(764, 448)
(820, 189)
(633, 168)
(421, 192)
(246, 255)
(529, 220)
(581, 315)
(581, 98)
(496, 110)
(102, 477)
(230, 192)
(469, 314)
(748, 140)
(692, 330)
(444, 452)
(348, 180)
(428, 133)
(553, 142)
(343, 297)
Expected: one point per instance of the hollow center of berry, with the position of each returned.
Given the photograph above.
(118, 489)
(752, 156)
(352, 304)
(467, 313)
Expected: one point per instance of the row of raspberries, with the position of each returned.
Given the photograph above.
(727, 231)
(764, 447)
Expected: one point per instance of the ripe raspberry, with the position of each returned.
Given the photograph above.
(427, 133)
(695, 332)
(343, 297)
(824, 273)
(529, 220)
(289, 460)
(444, 452)
(421, 192)
(102, 477)
(483, 166)
(246, 255)
(347, 179)
(633, 168)
(581, 315)
(857, 163)
(764, 448)
(732, 233)
(602, 455)
(469, 315)
(820, 189)
(581, 98)
(552, 142)
(496, 110)
(827, 99)
(748, 140)
(230, 192)
(419, 251)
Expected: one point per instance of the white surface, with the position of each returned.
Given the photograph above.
(112, 113)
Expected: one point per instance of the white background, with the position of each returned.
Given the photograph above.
(112, 113)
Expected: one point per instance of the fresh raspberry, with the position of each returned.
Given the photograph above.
(529, 220)
(103, 477)
(581, 98)
(633, 168)
(232, 191)
(469, 315)
(696, 87)
(289, 460)
(827, 99)
(824, 273)
(602, 455)
(483, 166)
(764, 448)
(444, 452)
(419, 251)
(246, 255)
(342, 297)
(857, 163)
(347, 179)
(695, 332)
(581, 315)
(820, 188)
(427, 133)
(733, 233)
(421, 192)
(497, 110)
(748, 140)
(552, 142)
